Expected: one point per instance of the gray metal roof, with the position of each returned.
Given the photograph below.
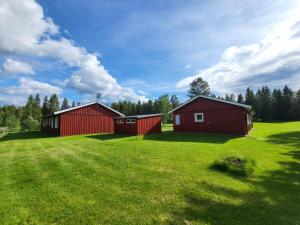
(214, 99)
(138, 116)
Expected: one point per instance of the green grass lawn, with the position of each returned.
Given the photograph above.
(156, 179)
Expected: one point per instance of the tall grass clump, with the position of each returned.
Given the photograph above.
(239, 166)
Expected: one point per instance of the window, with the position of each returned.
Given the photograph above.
(120, 121)
(177, 119)
(199, 117)
(56, 122)
(130, 121)
(249, 119)
(51, 122)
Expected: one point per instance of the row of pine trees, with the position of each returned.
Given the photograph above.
(29, 117)
(269, 105)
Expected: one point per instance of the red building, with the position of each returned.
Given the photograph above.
(138, 125)
(206, 114)
(84, 119)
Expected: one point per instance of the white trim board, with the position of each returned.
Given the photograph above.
(84, 105)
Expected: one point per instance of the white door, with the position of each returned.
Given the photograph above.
(177, 119)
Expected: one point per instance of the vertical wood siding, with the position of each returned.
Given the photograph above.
(87, 120)
(142, 126)
(149, 125)
(218, 118)
(126, 128)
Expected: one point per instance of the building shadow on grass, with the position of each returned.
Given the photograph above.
(25, 135)
(288, 138)
(107, 137)
(171, 136)
(273, 199)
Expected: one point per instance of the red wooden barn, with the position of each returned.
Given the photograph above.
(206, 114)
(138, 125)
(84, 119)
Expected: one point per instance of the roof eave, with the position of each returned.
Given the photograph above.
(84, 105)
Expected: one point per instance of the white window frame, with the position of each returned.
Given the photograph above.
(130, 121)
(56, 122)
(196, 117)
(177, 119)
(120, 121)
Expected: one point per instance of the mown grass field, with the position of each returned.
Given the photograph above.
(156, 179)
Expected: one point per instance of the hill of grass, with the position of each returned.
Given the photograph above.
(157, 179)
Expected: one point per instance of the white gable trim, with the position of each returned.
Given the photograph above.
(84, 105)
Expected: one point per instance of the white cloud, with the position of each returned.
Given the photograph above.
(11, 66)
(29, 32)
(22, 24)
(29, 86)
(18, 94)
(274, 61)
(187, 66)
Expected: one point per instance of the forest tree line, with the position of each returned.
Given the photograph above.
(268, 105)
(275, 105)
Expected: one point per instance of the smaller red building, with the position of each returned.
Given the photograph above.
(212, 115)
(138, 124)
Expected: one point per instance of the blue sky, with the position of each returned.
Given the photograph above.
(138, 50)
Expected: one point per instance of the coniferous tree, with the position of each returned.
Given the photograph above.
(139, 108)
(249, 97)
(232, 97)
(240, 99)
(53, 103)
(73, 104)
(198, 87)
(65, 104)
(45, 107)
(174, 101)
(227, 97)
(150, 107)
(287, 95)
(277, 109)
(263, 103)
(37, 110)
(296, 106)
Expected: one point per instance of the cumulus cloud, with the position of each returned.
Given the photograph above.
(274, 61)
(11, 66)
(27, 86)
(26, 31)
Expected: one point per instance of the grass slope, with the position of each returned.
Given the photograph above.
(156, 179)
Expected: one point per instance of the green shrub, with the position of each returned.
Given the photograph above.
(235, 165)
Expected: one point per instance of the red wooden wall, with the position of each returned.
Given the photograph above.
(149, 125)
(126, 128)
(87, 120)
(219, 117)
(145, 125)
